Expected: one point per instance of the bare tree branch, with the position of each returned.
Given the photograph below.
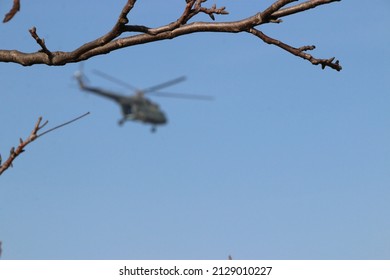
(298, 51)
(113, 41)
(41, 42)
(301, 7)
(14, 153)
(15, 8)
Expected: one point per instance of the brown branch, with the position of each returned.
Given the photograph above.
(192, 8)
(112, 41)
(186, 15)
(196, 8)
(14, 153)
(115, 32)
(15, 8)
(301, 52)
(300, 8)
(20, 149)
(275, 7)
(41, 42)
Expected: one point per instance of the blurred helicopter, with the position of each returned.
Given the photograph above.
(137, 107)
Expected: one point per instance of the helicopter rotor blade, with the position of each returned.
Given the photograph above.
(115, 80)
(182, 96)
(164, 85)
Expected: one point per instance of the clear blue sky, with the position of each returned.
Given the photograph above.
(288, 162)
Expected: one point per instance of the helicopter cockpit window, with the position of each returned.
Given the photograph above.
(127, 110)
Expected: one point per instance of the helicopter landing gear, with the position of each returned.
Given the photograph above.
(121, 122)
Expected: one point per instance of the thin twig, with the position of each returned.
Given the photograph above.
(298, 51)
(15, 8)
(15, 152)
(41, 42)
(61, 125)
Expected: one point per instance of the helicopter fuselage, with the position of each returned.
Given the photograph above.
(134, 108)
(137, 107)
(141, 109)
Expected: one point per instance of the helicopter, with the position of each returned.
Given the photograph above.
(137, 107)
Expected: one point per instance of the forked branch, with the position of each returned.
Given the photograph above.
(15, 152)
(141, 34)
(301, 52)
